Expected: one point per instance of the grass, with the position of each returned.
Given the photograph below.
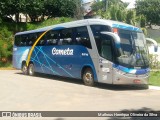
(158, 40)
(154, 78)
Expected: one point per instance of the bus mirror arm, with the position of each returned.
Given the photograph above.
(154, 42)
(115, 37)
(117, 41)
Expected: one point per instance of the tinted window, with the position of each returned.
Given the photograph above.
(31, 39)
(96, 29)
(101, 39)
(24, 40)
(42, 41)
(66, 37)
(82, 37)
(17, 40)
(106, 48)
(52, 37)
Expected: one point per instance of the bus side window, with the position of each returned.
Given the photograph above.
(24, 39)
(17, 40)
(82, 37)
(52, 37)
(42, 41)
(32, 39)
(66, 37)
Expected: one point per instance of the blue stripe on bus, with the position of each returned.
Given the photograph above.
(131, 70)
(125, 27)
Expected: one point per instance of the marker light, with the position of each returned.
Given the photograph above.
(115, 30)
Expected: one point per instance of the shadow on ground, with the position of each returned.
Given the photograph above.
(98, 85)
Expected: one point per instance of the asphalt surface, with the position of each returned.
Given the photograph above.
(19, 92)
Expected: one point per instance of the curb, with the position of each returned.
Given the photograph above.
(7, 68)
(154, 87)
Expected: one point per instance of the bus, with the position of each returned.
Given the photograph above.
(94, 50)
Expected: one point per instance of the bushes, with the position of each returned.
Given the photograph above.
(6, 40)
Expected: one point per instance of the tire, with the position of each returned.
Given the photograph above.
(88, 77)
(24, 69)
(31, 69)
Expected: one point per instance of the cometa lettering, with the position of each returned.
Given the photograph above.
(67, 51)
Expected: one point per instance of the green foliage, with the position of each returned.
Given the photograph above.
(131, 17)
(147, 12)
(34, 9)
(116, 11)
(154, 78)
(51, 21)
(143, 21)
(39, 10)
(158, 39)
(150, 9)
(12, 7)
(6, 40)
(98, 6)
(5, 65)
(144, 31)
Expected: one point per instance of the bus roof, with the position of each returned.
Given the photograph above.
(111, 23)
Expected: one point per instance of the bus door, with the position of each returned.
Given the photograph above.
(105, 60)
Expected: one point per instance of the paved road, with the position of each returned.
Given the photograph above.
(50, 93)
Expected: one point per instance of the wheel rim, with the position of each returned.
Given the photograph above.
(24, 69)
(31, 69)
(88, 77)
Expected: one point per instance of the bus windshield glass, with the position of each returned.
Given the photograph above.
(133, 49)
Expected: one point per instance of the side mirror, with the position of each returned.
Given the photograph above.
(154, 42)
(117, 41)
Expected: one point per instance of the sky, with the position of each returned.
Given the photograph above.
(121, 0)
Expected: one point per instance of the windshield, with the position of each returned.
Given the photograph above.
(133, 49)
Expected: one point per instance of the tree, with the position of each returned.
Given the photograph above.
(5, 44)
(150, 9)
(131, 17)
(12, 7)
(34, 8)
(59, 8)
(79, 9)
(39, 8)
(115, 10)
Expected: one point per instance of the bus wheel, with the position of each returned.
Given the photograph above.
(24, 69)
(31, 69)
(87, 77)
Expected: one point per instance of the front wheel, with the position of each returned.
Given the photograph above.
(88, 78)
(31, 69)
